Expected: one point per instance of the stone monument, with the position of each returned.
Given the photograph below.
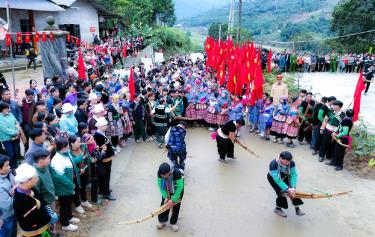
(53, 52)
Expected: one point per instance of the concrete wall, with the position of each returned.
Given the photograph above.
(83, 14)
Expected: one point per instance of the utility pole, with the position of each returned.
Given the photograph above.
(239, 21)
(11, 48)
(219, 33)
(231, 18)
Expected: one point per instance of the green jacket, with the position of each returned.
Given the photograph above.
(80, 161)
(45, 186)
(178, 186)
(62, 174)
(8, 127)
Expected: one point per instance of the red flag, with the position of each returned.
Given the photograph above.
(257, 91)
(131, 85)
(27, 38)
(81, 66)
(357, 96)
(51, 36)
(19, 38)
(221, 75)
(44, 36)
(68, 38)
(8, 40)
(77, 42)
(36, 37)
(269, 57)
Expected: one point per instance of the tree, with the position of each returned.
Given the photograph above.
(354, 16)
(214, 29)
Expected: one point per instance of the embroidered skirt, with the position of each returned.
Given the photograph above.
(211, 118)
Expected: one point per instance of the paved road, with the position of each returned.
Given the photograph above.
(234, 199)
(341, 85)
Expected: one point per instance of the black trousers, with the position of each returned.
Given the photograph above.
(282, 201)
(163, 217)
(367, 86)
(326, 146)
(105, 179)
(26, 129)
(65, 209)
(94, 183)
(339, 152)
(178, 159)
(302, 134)
(80, 191)
(32, 61)
(225, 147)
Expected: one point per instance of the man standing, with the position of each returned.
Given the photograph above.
(331, 121)
(279, 89)
(282, 176)
(316, 124)
(175, 140)
(28, 105)
(105, 146)
(81, 112)
(306, 111)
(31, 57)
(138, 114)
(8, 223)
(333, 61)
(226, 136)
(369, 74)
(171, 185)
(38, 137)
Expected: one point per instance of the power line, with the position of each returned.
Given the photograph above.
(317, 40)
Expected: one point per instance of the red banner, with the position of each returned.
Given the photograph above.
(44, 37)
(8, 40)
(36, 37)
(19, 38)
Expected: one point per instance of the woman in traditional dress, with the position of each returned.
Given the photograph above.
(201, 104)
(292, 124)
(223, 103)
(213, 109)
(115, 129)
(254, 111)
(265, 119)
(190, 96)
(236, 109)
(279, 119)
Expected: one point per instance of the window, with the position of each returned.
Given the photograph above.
(74, 30)
(25, 25)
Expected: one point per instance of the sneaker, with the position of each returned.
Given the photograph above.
(280, 212)
(314, 153)
(275, 141)
(267, 139)
(330, 163)
(70, 227)
(110, 198)
(148, 140)
(223, 160)
(321, 159)
(161, 225)
(281, 142)
(79, 210)
(234, 158)
(291, 145)
(299, 212)
(137, 141)
(211, 129)
(86, 204)
(160, 145)
(74, 220)
(174, 228)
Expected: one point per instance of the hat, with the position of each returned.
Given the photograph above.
(93, 96)
(93, 76)
(101, 122)
(24, 173)
(98, 109)
(66, 108)
(279, 76)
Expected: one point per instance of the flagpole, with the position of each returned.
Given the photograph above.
(11, 50)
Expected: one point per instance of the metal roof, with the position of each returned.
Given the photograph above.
(35, 5)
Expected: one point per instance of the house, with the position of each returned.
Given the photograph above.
(79, 17)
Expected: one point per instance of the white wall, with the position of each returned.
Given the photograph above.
(83, 14)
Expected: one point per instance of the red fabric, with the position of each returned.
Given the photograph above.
(68, 38)
(77, 42)
(131, 85)
(221, 75)
(81, 66)
(269, 57)
(36, 37)
(257, 91)
(19, 38)
(357, 96)
(51, 36)
(124, 55)
(44, 36)
(27, 38)
(8, 40)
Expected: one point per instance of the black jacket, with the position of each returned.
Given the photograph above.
(81, 116)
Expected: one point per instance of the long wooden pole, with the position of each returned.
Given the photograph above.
(11, 50)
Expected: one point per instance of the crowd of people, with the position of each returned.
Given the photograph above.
(72, 128)
(321, 62)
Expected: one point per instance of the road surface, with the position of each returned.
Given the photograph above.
(234, 199)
